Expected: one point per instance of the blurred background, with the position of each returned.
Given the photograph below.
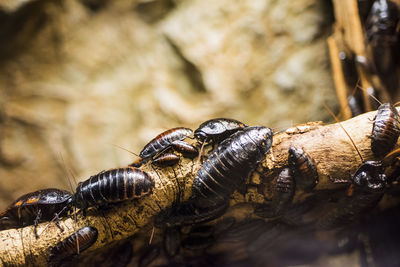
(78, 77)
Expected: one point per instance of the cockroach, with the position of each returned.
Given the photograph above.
(73, 245)
(35, 207)
(284, 191)
(172, 240)
(285, 188)
(217, 129)
(368, 185)
(232, 162)
(382, 37)
(166, 159)
(385, 130)
(113, 186)
(370, 177)
(185, 148)
(303, 169)
(163, 141)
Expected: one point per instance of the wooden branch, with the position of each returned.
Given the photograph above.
(338, 77)
(328, 146)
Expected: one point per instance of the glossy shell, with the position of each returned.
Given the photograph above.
(163, 141)
(217, 129)
(303, 169)
(385, 130)
(24, 211)
(112, 186)
(68, 247)
(370, 176)
(232, 162)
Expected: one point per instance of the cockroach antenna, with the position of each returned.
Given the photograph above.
(341, 126)
(127, 150)
(369, 94)
(72, 190)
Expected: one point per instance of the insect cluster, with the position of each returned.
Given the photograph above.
(372, 61)
(234, 152)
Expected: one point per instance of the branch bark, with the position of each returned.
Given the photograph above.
(328, 146)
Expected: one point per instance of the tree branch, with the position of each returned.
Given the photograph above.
(328, 146)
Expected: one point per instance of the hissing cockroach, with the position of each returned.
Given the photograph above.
(73, 245)
(385, 130)
(166, 159)
(35, 207)
(185, 148)
(303, 169)
(369, 184)
(217, 129)
(284, 191)
(228, 167)
(112, 186)
(382, 36)
(163, 141)
(370, 177)
(172, 240)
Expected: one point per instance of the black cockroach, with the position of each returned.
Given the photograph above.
(284, 191)
(369, 183)
(35, 207)
(385, 130)
(185, 148)
(303, 169)
(172, 240)
(112, 186)
(370, 177)
(382, 37)
(217, 129)
(232, 162)
(163, 141)
(166, 159)
(73, 245)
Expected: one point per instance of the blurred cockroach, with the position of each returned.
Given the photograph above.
(382, 27)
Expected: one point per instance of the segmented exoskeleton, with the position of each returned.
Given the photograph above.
(112, 186)
(73, 245)
(35, 207)
(228, 167)
(385, 130)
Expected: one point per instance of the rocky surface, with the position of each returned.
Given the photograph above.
(79, 77)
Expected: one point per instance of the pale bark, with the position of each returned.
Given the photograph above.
(328, 146)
